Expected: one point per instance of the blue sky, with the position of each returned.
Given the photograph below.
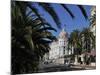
(79, 22)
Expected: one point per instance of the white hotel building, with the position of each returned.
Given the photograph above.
(59, 49)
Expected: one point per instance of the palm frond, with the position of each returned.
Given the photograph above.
(48, 8)
(47, 28)
(68, 10)
(83, 11)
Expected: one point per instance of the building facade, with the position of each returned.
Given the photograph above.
(59, 49)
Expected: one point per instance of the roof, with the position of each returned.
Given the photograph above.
(63, 34)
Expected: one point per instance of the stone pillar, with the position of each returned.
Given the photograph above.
(82, 58)
(72, 50)
(76, 60)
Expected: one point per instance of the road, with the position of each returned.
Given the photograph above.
(61, 67)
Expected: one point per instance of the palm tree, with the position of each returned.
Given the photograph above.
(92, 20)
(89, 39)
(75, 43)
(31, 35)
(88, 42)
(30, 39)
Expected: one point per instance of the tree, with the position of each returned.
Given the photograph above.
(75, 41)
(30, 40)
(88, 39)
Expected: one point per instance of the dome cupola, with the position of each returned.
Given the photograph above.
(63, 34)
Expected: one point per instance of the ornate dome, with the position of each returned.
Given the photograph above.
(63, 34)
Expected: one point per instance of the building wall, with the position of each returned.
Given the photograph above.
(59, 48)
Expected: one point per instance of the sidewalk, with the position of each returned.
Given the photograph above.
(87, 67)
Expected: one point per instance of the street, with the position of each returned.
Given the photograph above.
(62, 67)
